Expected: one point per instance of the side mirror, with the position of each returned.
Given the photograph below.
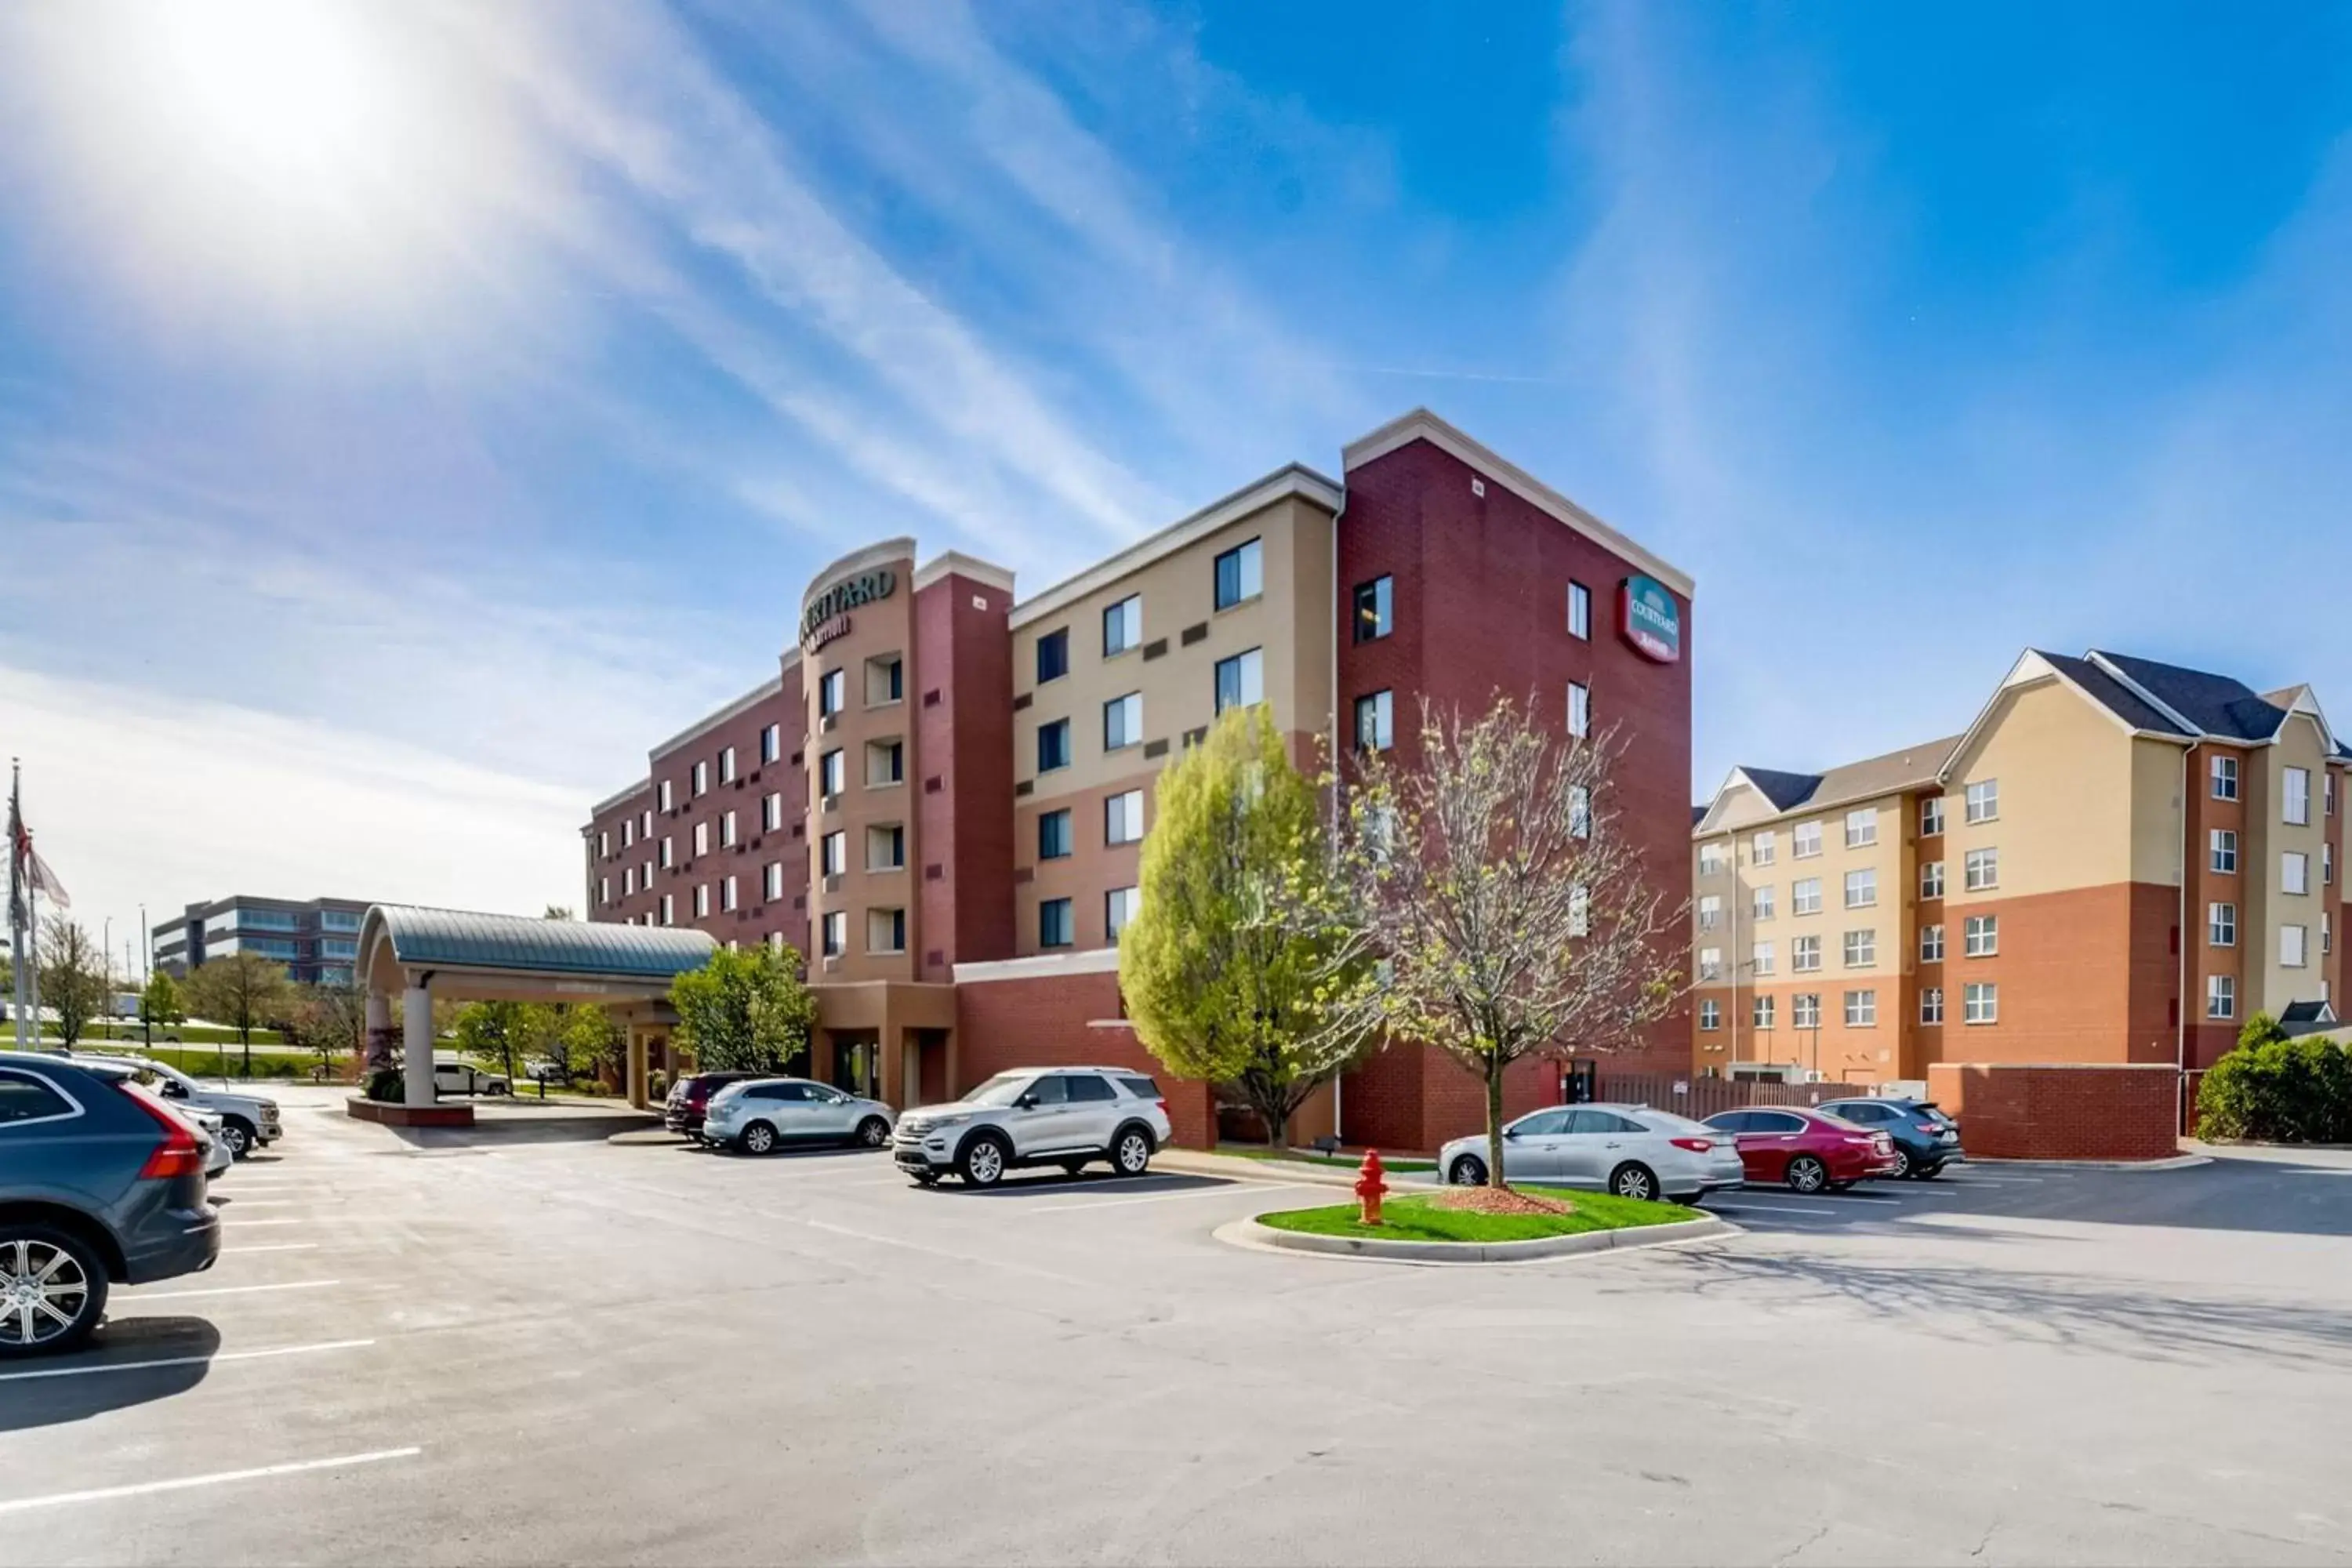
(1026, 1102)
(1510, 1132)
(175, 1090)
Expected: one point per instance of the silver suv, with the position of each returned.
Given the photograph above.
(1036, 1116)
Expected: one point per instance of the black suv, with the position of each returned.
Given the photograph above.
(99, 1183)
(689, 1097)
(1926, 1140)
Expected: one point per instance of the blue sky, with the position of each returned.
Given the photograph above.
(408, 412)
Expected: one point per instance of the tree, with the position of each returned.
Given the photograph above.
(745, 1011)
(159, 1005)
(73, 977)
(242, 990)
(330, 1018)
(499, 1034)
(1218, 989)
(591, 1043)
(1506, 907)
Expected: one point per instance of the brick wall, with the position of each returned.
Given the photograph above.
(1067, 1020)
(1413, 1098)
(2059, 1111)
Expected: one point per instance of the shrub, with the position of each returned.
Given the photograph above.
(658, 1086)
(2273, 1089)
(387, 1085)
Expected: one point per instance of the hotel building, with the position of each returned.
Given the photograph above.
(940, 796)
(2117, 862)
(316, 939)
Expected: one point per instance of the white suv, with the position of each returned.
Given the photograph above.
(249, 1121)
(1036, 1116)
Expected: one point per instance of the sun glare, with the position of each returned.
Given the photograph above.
(280, 92)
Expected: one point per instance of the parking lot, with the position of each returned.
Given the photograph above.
(538, 1350)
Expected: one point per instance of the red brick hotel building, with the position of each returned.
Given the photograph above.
(939, 794)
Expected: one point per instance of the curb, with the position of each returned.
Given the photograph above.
(1253, 1237)
(2177, 1163)
(1199, 1163)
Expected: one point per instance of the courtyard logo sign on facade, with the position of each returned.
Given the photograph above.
(827, 616)
(1649, 619)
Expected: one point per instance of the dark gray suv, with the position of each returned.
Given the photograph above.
(99, 1183)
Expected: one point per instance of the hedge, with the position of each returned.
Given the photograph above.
(2271, 1089)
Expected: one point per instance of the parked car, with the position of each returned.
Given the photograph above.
(1629, 1149)
(101, 1183)
(759, 1115)
(249, 1121)
(1809, 1150)
(212, 1134)
(689, 1097)
(1925, 1139)
(452, 1074)
(1036, 1116)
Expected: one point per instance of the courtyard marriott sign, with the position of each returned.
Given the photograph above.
(827, 616)
(1649, 619)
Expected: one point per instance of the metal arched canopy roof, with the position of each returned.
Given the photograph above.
(423, 938)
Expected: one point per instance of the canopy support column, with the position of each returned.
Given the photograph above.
(416, 1027)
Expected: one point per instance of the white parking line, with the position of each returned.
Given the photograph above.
(256, 1223)
(263, 1202)
(1744, 1205)
(278, 1246)
(183, 1360)
(219, 1478)
(1172, 1197)
(231, 1291)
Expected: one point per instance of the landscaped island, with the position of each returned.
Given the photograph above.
(1483, 1214)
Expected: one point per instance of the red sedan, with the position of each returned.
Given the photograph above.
(1807, 1149)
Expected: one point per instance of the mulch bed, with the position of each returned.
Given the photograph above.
(1491, 1200)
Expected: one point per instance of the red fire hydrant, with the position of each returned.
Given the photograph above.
(1370, 1188)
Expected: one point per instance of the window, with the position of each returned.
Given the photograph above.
(669, 850)
(1579, 912)
(885, 764)
(1984, 800)
(1983, 869)
(771, 743)
(604, 844)
(1710, 912)
(726, 764)
(1123, 721)
(337, 920)
(1374, 729)
(702, 900)
(832, 853)
(1805, 954)
(832, 774)
(886, 847)
(701, 778)
(1580, 709)
(1053, 837)
(1580, 810)
(1052, 745)
(1763, 849)
(2297, 800)
(1808, 840)
(1710, 1015)
(1760, 958)
(2326, 934)
(1759, 1012)
(1053, 923)
(1123, 625)
(1241, 680)
(835, 937)
(2294, 872)
(2327, 793)
(1375, 616)
(772, 813)
(1054, 655)
(2327, 865)
(2221, 996)
(1862, 948)
(1805, 1010)
(1980, 937)
(1123, 817)
(772, 881)
(2221, 925)
(2225, 850)
(1580, 611)
(702, 837)
(1241, 574)
(26, 1098)
(885, 680)
(1931, 878)
(604, 891)
(727, 894)
(1862, 889)
(628, 880)
(1119, 908)
(1931, 1004)
(628, 834)
(646, 877)
(726, 830)
(1980, 1002)
(1805, 896)
(2225, 777)
(1861, 1009)
(1861, 827)
(1760, 904)
(1931, 816)
(2290, 947)
(646, 827)
(885, 930)
(665, 795)
(832, 692)
(1712, 856)
(1710, 963)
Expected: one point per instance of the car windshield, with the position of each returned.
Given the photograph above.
(1003, 1089)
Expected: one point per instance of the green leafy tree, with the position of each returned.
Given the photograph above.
(159, 1005)
(243, 991)
(1218, 988)
(501, 1034)
(589, 1042)
(73, 977)
(745, 1011)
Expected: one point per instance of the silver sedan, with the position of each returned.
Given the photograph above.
(1629, 1149)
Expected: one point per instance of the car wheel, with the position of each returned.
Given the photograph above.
(52, 1289)
(1807, 1174)
(759, 1139)
(1632, 1181)
(982, 1161)
(1903, 1166)
(1130, 1152)
(239, 1136)
(872, 1132)
(1467, 1171)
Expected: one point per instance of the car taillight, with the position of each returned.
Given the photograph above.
(1929, 1127)
(1695, 1145)
(179, 1155)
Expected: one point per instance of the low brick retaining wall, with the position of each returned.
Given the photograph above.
(361, 1108)
(2061, 1110)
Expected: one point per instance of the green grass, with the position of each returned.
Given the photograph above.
(189, 1034)
(205, 1062)
(1296, 1157)
(1413, 1219)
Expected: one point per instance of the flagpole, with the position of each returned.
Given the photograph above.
(24, 996)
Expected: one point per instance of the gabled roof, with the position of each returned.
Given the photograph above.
(2212, 704)
(1785, 791)
(2306, 1017)
(1909, 768)
(2112, 694)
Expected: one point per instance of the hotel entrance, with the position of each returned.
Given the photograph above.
(857, 1062)
(891, 1040)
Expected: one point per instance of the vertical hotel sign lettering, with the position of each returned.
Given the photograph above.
(1649, 619)
(827, 616)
